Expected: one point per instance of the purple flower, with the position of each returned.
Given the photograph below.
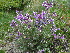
(19, 17)
(27, 15)
(58, 28)
(19, 33)
(17, 11)
(16, 37)
(40, 16)
(34, 13)
(43, 12)
(54, 30)
(37, 22)
(54, 34)
(56, 37)
(41, 51)
(29, 26)
(26, 22)
(11, 34)
(25, 18)
(62, 37)
(54, 14)
(47, 5)
(51, 20)
(13, 23)
(30, 20)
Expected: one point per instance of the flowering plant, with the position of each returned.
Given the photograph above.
(38, 32)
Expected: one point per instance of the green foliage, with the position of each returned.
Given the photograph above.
(68, 3)
(33, 40)
(6, 17)
(2, 51)
(34, 5)
(8, 4)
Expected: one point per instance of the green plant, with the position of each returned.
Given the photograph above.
(2, 51)
(39, 32)
(13, 4)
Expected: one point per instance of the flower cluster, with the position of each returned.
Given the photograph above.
(56, 36)
(13, 23)
(54, 29)
(47, 5)
(23, 19)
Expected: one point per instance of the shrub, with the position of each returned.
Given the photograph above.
(38, 32)
(8, 4)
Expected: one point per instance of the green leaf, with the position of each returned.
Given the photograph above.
(2, 51)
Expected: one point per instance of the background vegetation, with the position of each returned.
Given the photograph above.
(8, 8)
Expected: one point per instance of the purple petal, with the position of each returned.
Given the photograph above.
(54, 34)
(62, 37)
(51, 20)
(17, 11)
(35, 13)
(19, 33)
